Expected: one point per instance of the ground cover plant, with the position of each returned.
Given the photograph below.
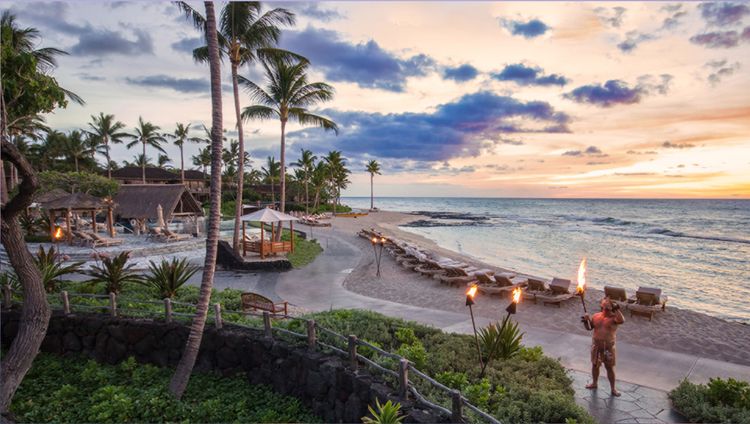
(718, 401)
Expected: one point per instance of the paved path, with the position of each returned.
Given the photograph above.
(645, 374)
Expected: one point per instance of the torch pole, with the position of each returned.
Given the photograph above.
(583, 303)
(476, 337)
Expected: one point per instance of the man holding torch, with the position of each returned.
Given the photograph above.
(604, 324)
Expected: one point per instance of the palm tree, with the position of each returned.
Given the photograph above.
(373, 167)
(203, 158)
(319, 180)
(271, 173)
(76, 148)
(106, 130)
(245, 34)
(179, 381)
(306, 163)
(139, 160)
(334, 163)
(162, 161)
(181, 135)
(290, 95)
(146, 133)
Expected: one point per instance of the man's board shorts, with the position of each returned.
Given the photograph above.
(603, 352)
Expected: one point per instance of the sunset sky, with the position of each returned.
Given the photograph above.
(454, 98)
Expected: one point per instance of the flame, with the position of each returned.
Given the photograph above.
(374, 240)
(472, 291)
(581, 277)
(516, 295)
(58, 233)
(382, 240)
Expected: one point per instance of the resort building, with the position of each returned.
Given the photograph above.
(195, 181)
(139, 203)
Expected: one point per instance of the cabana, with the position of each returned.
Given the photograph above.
(141, 202)
(263, 247)
(79, 203)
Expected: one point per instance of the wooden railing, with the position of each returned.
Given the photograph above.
(403, 375)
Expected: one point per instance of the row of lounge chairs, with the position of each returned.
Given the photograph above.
(164, 235)
(646, 301)
(313, 220)
(94, 240)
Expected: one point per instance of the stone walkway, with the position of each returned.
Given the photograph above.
(645, 374)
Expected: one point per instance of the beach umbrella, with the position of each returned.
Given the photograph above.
(160, 216)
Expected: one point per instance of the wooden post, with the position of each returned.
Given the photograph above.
(403, 378)
(168, 309)
(113, 304)
(311, 334)
(7, 296)
(93, 220)
(267, 325)
(217, 317)
(291, 230)
(456, 414)
(244, 247)
(353, 352)
(110, 222)
(69, 236)
(66, 302)
(261, 240)
(52, 225)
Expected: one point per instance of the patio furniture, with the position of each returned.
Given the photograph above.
(559, 291)
(255, 301)
(271, 246)
(647, 301)
(617, 295)
(104, 242)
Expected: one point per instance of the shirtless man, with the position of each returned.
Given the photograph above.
(603, 351)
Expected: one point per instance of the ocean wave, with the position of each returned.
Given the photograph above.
(670, 233)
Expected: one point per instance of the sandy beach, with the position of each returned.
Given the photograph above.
(676, 330)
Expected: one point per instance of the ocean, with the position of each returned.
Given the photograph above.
(697, 251)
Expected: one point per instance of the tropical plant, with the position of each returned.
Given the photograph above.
(180, 136)
(10, 279)
(500, 341)
(271, 173)
(319, 181)
(76, 148)
(166, 277)
(84, 182)
(52, 267)
(724, 401)
(287, 96)
(162, 161)
(338, 173)
(29, 224)
(114, 272)
(203, 159)
(146, 133)
(373, 167)
(105, 130)
(306, 163)
(387, 413)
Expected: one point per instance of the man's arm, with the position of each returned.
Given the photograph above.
(619, 317)
(588, 322)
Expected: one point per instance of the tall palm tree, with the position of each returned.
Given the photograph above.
(105, 130)
(139, 160)
(180, 136)
(76, 148)
(319, 180)
(287, 96)
(203, 158)
(245, 35)
(146, 133)
(335, 163)
(179, 381)
(306, 163)
(373, 167)
(162, 161)
(271, 173)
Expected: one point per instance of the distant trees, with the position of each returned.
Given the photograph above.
(147, 134)
(180, 136)
(373, 167)
(105, 130)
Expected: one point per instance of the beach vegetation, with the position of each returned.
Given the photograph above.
(76, 389)
(167, 277)
(52, 267)
(306, 163)
(384, 413)
(373, 168)
(718, 401)
(114, 272)
(84, 182)
(105, 130)
(146, 134)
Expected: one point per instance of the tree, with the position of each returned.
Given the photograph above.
(84, 182)
(336, 172)
(76, 148)
(179, 381)
(203, 158)
(245, 34)
(139, 161)
(180, 136)
(373, 167)
(271, 173)
(162, 161)
(319, 180)
(306, 163)
(105, 130)
(146, 133)
(287, 95)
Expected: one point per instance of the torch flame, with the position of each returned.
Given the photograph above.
(58, 233)
(581, 277)
(382, 240)
(472, 291)
(374, 240)
(516, 295)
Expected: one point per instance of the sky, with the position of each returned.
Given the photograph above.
(485, 99)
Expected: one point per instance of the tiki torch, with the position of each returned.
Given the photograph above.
(469, 302)
(581, 291)
(378, 252)
(511, 309)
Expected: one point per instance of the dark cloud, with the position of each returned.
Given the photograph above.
(51, 15)
(674, 20)
(461, 73)
(633, 39)
(456, 129)
(721, 69)
(530, 29)
(510, 141)
(309, 9)
(670, 145)
(366, 64)
(88, 77)
(722, 14)
(616, 92)
(610, 16)
(635, 152)
(721, 39)
(104, 42)
(527, 75)
(589, 151)
(183, 85)
(187, 44)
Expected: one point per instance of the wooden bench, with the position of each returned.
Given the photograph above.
(255, 301)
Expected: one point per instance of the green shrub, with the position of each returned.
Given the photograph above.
(114, 273)
(167, 277)
(387, 413)
(719, 401)
(52, 267)
(454, 380)
(479, 394)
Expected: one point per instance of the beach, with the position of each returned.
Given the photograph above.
(676, 329)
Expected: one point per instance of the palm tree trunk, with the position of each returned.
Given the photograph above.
(35, 311)
(75, 158)
(182, 166)
(307, 196)
(240, 162)
(282, 167)
(182, 374)
(372, 176)
(109, 162)
(143, 163)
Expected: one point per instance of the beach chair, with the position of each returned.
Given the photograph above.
(174, 236)
(535, 287)
(430, 268)
(82, 238)
(456, 276)
(498, 284)
(617, 295)
(104, 242)
(559, 291)
(647, 301)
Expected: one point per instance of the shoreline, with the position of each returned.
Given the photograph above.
(677, 330)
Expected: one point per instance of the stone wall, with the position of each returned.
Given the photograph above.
(323, 382)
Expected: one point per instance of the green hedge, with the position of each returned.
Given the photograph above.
(719, 401)
(76, 390)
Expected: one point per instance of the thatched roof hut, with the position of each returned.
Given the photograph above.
(49, 196)
(140, 201)
(75, 201)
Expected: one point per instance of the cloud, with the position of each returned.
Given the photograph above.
(461, 73)
(530, 29)
(616, 92)
(88, 77)
(187, 44)
(633, 39)
(610, 16)
(721, 69)
(527, 75)
(457, 129)
(104, 42)
(670, 145)
(721, 39)
(722, 14)
(366, 64)
(589, 151)
(182, 85)
(314, 10)
(675, 18)
(510, 141)
(635, 152)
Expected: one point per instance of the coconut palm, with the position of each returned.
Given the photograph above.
(139, 160)
(180, 136)
(271, 173)
(146, 133)
(105, 130)
(373, 167)
(75, 148)
(319, 181)
(306, 163)
(335, 167)
(203, 158)
(179, 381)
(287, 96)
(162, 161)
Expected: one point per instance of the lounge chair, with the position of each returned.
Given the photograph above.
(430, 268)
(174, 236)
(102, 241)
(535, 287)
(617, 295)
(455, 276)
(83, 239)
(498, 284)
(559, 291)
(647, 301)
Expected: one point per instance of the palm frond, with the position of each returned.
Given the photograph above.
(198, 21)
(306, 118)
(259, 112)
(256, 93)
